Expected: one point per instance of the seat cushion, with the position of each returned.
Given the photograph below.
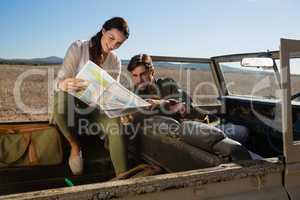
(236, 132)
(201, 135)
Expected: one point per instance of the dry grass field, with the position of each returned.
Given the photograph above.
(32, 91)
(30, 87)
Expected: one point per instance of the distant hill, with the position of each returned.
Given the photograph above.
(52, 60)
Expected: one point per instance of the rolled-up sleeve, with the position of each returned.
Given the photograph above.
(70, 64)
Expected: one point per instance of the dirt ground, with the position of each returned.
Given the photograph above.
(26, 91)
(24, 85)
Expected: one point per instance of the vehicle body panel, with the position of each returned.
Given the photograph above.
(251, 179)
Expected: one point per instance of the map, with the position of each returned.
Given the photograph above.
(112, 97)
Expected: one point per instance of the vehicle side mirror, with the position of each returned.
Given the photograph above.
(263, 62)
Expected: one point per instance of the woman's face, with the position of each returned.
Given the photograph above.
(111, 39)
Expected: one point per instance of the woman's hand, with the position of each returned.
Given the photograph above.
(73, 84)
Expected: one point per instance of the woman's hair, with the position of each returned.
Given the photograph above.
(140, 59)
(95, 49)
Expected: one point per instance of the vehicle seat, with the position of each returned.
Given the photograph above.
(236, 132)
(159, 142)
(213, 140)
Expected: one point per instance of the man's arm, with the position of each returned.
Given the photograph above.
(179, 101)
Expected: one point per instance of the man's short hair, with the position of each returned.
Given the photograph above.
(140, 59)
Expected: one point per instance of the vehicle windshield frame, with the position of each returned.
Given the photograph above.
(217, 60)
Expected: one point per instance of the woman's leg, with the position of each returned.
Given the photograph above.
(64, 117)
(116, 142)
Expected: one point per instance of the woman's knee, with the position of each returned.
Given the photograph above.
(63, 102)
(108, 125)
(63, 109)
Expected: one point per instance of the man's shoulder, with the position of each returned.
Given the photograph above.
(167, 85)
(164, 80)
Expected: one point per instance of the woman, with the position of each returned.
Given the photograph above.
(68, 109)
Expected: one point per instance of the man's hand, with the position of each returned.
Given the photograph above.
(171, 106)
(178, 108)
(156, 103)
(73, 84)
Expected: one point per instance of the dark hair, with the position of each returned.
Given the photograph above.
(95, 49)
(140, 59)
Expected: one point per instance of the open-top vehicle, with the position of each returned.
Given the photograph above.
(256, 90)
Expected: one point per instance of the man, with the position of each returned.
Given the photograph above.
(166, 97)
(162, 93)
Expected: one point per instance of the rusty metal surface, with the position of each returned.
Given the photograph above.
(141, 170)
(168, 182)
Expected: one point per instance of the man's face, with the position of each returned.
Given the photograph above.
(141, 77)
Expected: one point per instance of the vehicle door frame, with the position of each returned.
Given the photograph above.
(291, 148)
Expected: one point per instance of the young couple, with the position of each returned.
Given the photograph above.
(100, 49)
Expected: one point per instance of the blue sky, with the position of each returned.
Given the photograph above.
(191, 28)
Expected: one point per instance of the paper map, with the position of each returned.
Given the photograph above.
(113, 98)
